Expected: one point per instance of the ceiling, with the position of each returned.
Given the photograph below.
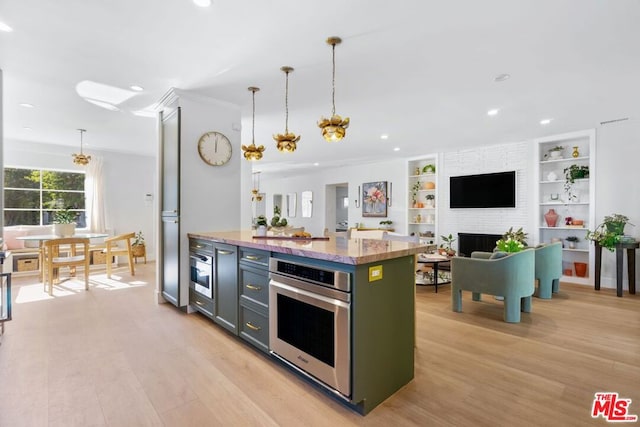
(421, 72)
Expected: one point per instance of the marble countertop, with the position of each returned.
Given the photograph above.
(336, 249)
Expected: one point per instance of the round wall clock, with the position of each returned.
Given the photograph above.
(214, 148)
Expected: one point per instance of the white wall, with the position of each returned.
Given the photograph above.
(128, 178)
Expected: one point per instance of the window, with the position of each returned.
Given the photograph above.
(32, 196)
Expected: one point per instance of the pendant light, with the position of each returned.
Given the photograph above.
(81, 159)
(251, 152)
(334, 128)
(255, 192)
(286, 142)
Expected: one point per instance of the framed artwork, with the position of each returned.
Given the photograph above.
(374, 199)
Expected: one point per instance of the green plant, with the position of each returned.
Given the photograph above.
(429, 168)
(261, 220)
(519, 235)
(556, 148)
(414, 190)
(509, 245)
(608, 233)
(447, 242)
(572, 173)
(64, 216)
(138, 239)
(430, 197)
(386, 222)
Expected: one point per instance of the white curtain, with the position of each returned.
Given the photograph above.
(94, 190)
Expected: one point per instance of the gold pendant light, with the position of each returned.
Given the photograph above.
(255, 192)
(251, 152)
(286, 142)
(81, 159)
(334, 128)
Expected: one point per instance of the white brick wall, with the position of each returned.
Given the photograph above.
(488, 159)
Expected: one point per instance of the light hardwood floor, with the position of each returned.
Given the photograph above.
(111, 356)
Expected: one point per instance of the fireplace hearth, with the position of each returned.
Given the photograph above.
(470, 242)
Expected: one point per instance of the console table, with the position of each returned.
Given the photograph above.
(630, 248)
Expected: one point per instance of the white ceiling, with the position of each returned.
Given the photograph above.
(420, 71)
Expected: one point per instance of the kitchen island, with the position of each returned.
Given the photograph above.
(357, 341)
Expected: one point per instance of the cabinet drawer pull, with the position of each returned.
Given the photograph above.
(253, 327)
(252, 257)
(254, 287)
(225, 252)
(199, 302)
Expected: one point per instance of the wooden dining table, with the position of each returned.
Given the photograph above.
(41, 238)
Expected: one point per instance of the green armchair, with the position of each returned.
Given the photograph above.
(548, 269)
(510, 275)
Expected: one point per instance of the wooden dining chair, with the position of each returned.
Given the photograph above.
(119, 245)
(64, 252)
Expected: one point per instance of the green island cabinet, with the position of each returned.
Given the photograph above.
(382, 313)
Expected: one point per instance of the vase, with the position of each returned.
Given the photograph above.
(551, 176)
(575, 153)
(64, 230)
(261, 230)
(581, 268)
(551, 218)
(556, 154)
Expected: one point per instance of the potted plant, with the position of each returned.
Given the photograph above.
(572, 241)
(572, 173)
(608, 233)
(430, 200)
(261, 225)
(512, 241)
(429, 168)
(64, 223)
(386, 224)
(138, 247)
(445, 246)
(555, 152)
(414, 193)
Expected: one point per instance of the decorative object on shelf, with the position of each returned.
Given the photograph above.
(572, 173)
(430, 200)
(251, 152)
(552, 176)
(572, 241)
(445, 246)
(430, 219)
(416, 171)
(429, 168)
(581, 268)
(414, 192)
(386, 225)
(261, 225)
(333, 128)
(551, 217)
(64, 223)
(554, 197)
(286, 141)
(512, 241)
(81, 159)
(567, 272)
(554, 153)
(575, 153)
(374, 199)
(429, 185)
(609, 232)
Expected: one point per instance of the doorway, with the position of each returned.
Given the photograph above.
(337, 213)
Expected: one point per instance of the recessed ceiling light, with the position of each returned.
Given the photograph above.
(26, 128)
(493, 112)
(384, 136)
(26, 105)
(136, 88)
(202, 3)
(501, 77)
(316, 164)
(545, 122)
(396, 149)
(4, 27)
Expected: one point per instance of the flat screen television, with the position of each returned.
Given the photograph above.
(489, 190)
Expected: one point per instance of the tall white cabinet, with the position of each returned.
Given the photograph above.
(573, 203)
(422, 212)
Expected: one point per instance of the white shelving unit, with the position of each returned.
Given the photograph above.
(422, 215)
(577, 204)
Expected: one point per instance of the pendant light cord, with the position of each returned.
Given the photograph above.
(286, 104)
(253, 119)
(333, 81)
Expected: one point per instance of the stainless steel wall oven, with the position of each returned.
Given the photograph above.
(310, 321)
(201, 268)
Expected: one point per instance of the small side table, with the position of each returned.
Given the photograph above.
(435, 263)
(631, 265)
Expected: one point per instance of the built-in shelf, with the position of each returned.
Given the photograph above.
(565, 160)
(422, 219)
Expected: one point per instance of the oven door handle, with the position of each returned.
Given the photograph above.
(308, 295)
(200, 258)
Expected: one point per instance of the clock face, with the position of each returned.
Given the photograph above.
(214, 148)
